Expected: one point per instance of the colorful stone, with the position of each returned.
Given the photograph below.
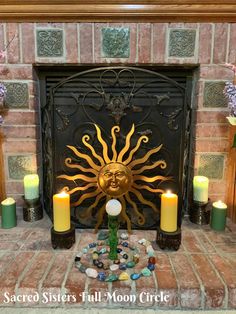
(92, 273)
(91, 245)
(136, 258)
(149, 248)
(103, 235)
(114, 267)
(123, 260)
(95, 256)
(122, 267)
(146, 272)
(119, 250)
(106, 265)
(135, 276)
(124, 236)
(85, 250)
(111, 278)
(130, 264)
(151, 267)
(100, 265)
(125, 256)
(103, 250)
(150, 253)
(152, 260)
(82, 268)
(96, 262)
(77, 264)
(142, 241)
(77, 259)
(117, 261)
(124, 276)
(125, 244)
(101, 276)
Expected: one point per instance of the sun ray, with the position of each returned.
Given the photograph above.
(146, 187)
(80, 188)
(145, 158)
(127, 145)
(77, 177)
(116, 129)
(101, 213)
(85, 140)
(84, 156)
(86, 196)
(74, 166)
(104, 145)
(160, 163)
(143, 200)
(88, 210)
(123, 213)
(151, 179)
(142, 138)
(141, 218)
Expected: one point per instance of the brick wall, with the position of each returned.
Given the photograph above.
(206, 46)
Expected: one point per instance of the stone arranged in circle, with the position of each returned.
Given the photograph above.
(135, 276)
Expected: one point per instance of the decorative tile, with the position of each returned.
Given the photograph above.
(17, 95)
(211, 166)
(19, 166)
(213, 95)
(115, 42)
(49, 43)
(182, 43)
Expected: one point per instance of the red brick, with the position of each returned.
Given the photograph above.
(35, 240)
(232, 44)
(228, 273)
(99, 289)
(10, 277)
(86, 42)
(220, 43)
(205, 42)
(211, 116)
(14, 187)
(206, 244)
(215, 72)
(2, 45)
(9, 246)
(190, 242)
(97, 42)
(214, 288)
(20, 147)
(190, 290)
(166, 280)
(213, 145)
(71, 38)
(19, 132)
(19, 234)
(212, 130)
(21, 118)
(159, 42)
(182, 25)
(6, 260)
(218, 187)
(144, 43)
(14, 72)
(133, 42)
(121, 288)
(13, 50)
(28, 42)
(75, 284)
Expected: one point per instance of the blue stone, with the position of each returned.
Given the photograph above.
(135, 276)
(101, 276)
(125, 244)
(122, 267)
(119, 250)
(91, 245)
(151, 267)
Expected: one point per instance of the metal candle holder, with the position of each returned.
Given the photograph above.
(32, 209)
(64, 239)
(200, 212)
(168, 240)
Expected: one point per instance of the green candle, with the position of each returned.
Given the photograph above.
(218, 216)
(200, 189)
(31, 186)
(8, 213)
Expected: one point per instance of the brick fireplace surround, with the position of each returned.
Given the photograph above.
(202, 274)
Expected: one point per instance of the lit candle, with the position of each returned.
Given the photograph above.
(200, 189)
(113, 209)
(169, 205)
(8, 213)
(61, 212)
(31, 186)
(218, 216)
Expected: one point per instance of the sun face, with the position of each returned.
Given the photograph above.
(116, 177)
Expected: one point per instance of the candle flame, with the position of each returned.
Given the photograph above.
(168, 192)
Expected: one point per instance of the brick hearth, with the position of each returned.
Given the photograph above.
(201, 275)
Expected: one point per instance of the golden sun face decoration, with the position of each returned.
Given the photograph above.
(115, 177)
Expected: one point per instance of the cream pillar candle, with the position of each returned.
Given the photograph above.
(200, 189)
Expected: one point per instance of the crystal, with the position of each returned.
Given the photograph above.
(77, 259)
(82, 268)
(125, 256)
(91, 245)
(149, 248)
(135, 276)
(123, 260)
(95, 256)
(122, 267)
(80, 254)
(103, 250)
(117, 261)
(100, 265)
(103, 235)
(130, 264)
(105, 265)
(96, 262)
(146, 272)
(101, 276)
(124, 236)
(114, 267)
(122, 253)
(92, 273)
(125, 244)
(85, 250)
(152, 260)
(124, 276)
(111, 278)
(142, 241)
(77, 264)
(151, 267)
(119, 250)
(136, 258)
(150, 253)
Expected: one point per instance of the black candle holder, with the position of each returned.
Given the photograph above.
(200, 212)
(32, 209)
(64, 239)
(168, 240)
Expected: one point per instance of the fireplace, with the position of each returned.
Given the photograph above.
(92, 116)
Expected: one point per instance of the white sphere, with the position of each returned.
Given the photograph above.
(113, 207)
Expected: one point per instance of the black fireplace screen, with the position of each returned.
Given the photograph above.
(129, 111)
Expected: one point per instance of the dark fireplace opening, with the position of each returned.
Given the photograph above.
(116, 132)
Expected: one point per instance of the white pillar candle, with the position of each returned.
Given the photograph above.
(200, 189)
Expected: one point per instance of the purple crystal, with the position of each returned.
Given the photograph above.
(3, 90)
(230, 93)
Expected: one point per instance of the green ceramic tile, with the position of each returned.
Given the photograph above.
(17, 95)
(115, 42)
(49, 43)
(19, 166)
(211, 166)
(213, 95)
(182, 43)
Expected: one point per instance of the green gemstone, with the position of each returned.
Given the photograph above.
(112, 278)
(130, 264)
(103, 235)
(146, 272)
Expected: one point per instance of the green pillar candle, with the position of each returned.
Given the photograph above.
(200, 189)
(31, 186)
(8, 213)
(218, 216)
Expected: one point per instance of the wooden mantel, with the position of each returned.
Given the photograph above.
(118, 10)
